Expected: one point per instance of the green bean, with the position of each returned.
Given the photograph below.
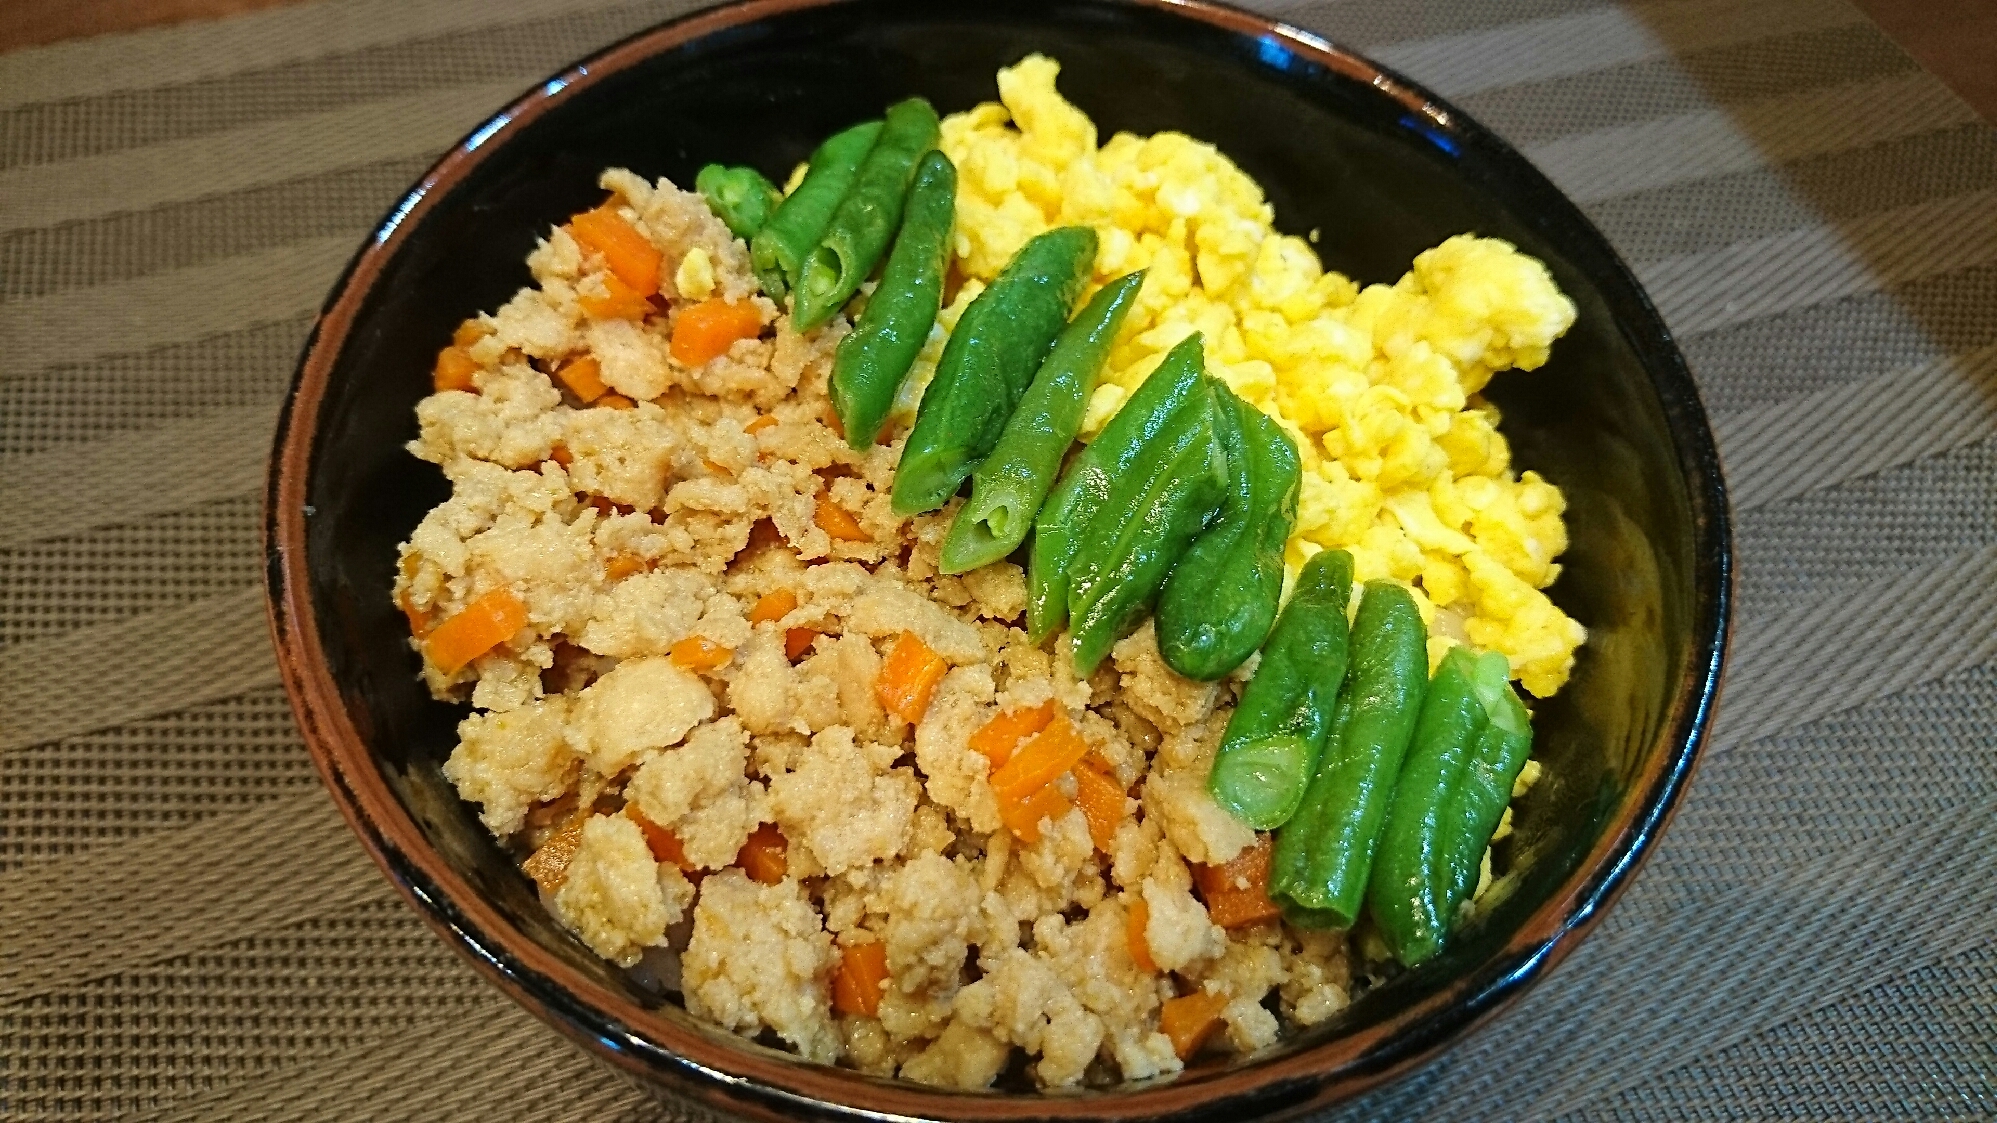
(1290, 860)
(1220, 601)
(1008, 487)
(1387, 676)
(871, 362)
(858, 234)
(1277, 731)
(1144, 525)
(1097, 548)
(1174, 384)
(1407, 898)
(740, 197)
(779, 248)
(987, 365)
(1486, 788)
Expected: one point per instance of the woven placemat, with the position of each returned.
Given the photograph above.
(187, 930)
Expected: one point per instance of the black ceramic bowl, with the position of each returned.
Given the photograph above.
(1382, 168)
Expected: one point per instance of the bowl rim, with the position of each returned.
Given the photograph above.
(734, 1076)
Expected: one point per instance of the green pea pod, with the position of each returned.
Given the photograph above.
(1008, 487)
(1405, 894)
(1486, 789)
(1073, 502)
(872, 361)
(858, 234)
(778, 250)
(1144, 526)
(986, 367)
(741, 197)
(1388, 675)
(1220, 602)
(1277, 731)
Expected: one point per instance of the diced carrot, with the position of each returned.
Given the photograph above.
(665, 844)
(1023, 816)
(1246, 871)
(1189, 1020)
(1238, 910)
(773, 606)
(797, 641)
(629, 255)
(998, 737)
(1102, 803)
(1135, 922)
(419, 620)
(622, 566)
(615, 400)
(711, 327)
(909, 677)
(837, 521)
(1237, 892)
(468, 333)
(763, 856)
(560, 454)
(833, 421)
(584, 378)
(856, 987)
(476, 629)
(698, 653)
(760, 424)
(549, 864)
(454, 371)
(1044, 758)
(618, 302)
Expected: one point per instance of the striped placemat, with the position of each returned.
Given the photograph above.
(188, 932)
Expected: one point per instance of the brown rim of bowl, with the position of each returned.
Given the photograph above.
(736, 1077)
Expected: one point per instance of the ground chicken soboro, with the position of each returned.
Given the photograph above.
(626, 532)
(684, 732)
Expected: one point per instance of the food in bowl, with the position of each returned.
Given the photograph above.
(774, 713)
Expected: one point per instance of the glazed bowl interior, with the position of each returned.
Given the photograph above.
(1374, 170)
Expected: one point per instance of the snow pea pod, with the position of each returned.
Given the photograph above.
(1172, 386)
(779, 248)
(1387, 677)
(988, 364)
(871, 362)
(1008, 487)
(1406, 895)
(1278, 729)
(1220, 601)
(740, 197)
(860, 229)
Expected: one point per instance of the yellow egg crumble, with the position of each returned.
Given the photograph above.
(1403, 464)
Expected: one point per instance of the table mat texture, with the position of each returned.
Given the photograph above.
(187, 930)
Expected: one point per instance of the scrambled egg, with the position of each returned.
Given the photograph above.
(1403, 465)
